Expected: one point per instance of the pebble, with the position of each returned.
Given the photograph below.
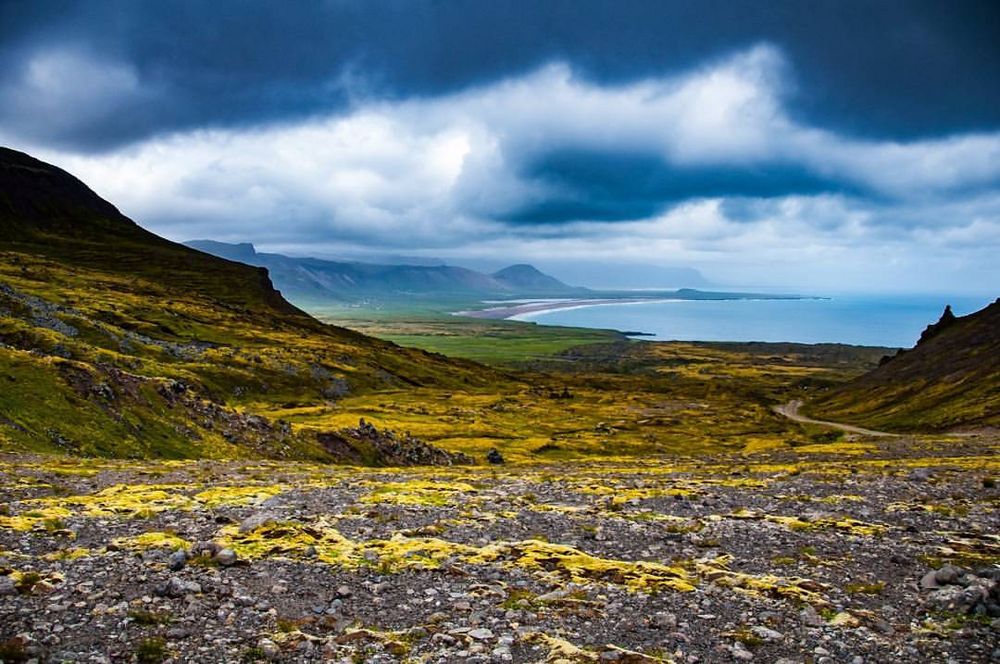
(767, 634)
(269, 648)
(226, 557)
(177, 560)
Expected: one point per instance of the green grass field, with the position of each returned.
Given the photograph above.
(489, 341)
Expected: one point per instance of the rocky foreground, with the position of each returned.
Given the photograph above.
(846, 552)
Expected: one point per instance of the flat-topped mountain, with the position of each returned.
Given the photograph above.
(314, 278)
(950, 379)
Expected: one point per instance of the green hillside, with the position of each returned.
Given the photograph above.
(114, 341)
(949, 380)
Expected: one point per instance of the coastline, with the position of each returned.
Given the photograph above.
(525, 310)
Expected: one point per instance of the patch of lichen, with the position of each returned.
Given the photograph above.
(219, 496)
(418, 492)
(71, 553)
(717, 571)
(845, 524)
(566, 564)
(289, 539)
(34, 518)
(27, 581)
(152, 540)
(127, 501)
(561, 651)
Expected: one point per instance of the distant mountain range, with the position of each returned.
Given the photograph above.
(315, 278)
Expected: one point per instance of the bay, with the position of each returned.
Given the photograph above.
(893, 321)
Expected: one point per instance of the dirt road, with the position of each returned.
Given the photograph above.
(791, 411)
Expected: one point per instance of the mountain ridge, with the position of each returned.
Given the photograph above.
(306, 277)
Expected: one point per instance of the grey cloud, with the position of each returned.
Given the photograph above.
(894, 69)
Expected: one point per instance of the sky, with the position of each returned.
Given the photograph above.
(824, 146)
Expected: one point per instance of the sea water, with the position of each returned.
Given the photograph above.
(893, 321)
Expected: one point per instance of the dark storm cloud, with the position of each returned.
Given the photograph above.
(887, 69)
(779, 141)
(616, 187)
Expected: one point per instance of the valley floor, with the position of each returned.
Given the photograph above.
(825, 555)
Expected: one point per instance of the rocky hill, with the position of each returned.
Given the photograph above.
(949, 380)
(116, 342)
(528, 279)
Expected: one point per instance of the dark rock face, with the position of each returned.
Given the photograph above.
(947, 319)
(388, 448)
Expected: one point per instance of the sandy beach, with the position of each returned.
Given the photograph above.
(521, 308)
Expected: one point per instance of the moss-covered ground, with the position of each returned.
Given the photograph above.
(555, 557)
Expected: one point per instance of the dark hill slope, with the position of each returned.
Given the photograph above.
(950, 379)
(524, 278)
(45, 211)
(114, 341)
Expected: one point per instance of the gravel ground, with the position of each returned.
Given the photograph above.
(885, 551)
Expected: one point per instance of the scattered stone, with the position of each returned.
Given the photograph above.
(810, 618)
(494, 456)
(929, 581)
(226, 557)
(664, 620)
(766, 633)
(269, 649)
(208, 549)
(177, 560)
(255, 521)
(947, 575)
(178, 587)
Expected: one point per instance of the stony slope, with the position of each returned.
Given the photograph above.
(950, 379)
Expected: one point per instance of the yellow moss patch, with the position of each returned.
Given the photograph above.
(237, 495)
(289, 540)
(25, 581)
(554, 507)
(417, 492)
(847, 524)
(563, 563)
(562, 651)
(621, 495)
(845, 448)
(717, 571)
(34, 517)
(69, 554)
(152, 540)
(399, 552)
(128, 500)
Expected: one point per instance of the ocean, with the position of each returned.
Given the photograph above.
(893, 321)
